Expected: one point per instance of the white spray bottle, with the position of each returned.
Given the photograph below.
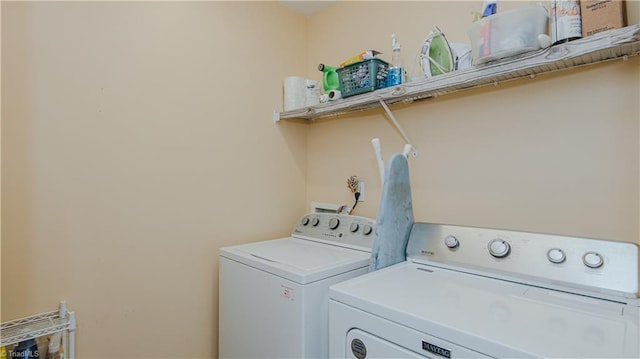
(395, 74)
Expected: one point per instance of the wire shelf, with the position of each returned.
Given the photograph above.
(32, 327)
(39, 325)
(605, 46)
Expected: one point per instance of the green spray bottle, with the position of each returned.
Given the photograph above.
(330, 80)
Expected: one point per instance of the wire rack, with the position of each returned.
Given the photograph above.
(605, 46)
(39, 325)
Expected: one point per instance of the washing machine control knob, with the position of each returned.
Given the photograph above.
(592, 260)
(315, 222)
(354, 227)
(367, 229)
(451, 242)
(556, 255)
(305, 221)
(334, 223)
(499, 248)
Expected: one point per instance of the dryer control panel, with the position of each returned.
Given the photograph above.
(571, 264)
(339, 229)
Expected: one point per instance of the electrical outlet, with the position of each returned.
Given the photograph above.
(361, 190)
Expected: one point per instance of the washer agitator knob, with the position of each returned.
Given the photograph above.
(305, 221)
(367, 229)
(315, 222)
(592, 260)
(451, 242)
(354, 227)
(499, 248)
(334, 223)
(556, 255)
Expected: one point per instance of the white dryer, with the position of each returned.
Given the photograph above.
(273, 295)
(474, 293)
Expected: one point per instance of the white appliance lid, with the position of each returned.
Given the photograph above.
(494, 317)
(302, 261)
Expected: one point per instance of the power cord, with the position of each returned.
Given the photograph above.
(353, 183)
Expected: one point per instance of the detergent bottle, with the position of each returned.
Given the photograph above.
(330, 80)
(565, 20)
(54, 347)
(27, 349)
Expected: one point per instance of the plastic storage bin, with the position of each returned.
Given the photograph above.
(507, 33)
(363, 76)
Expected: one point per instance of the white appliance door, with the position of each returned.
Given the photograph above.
(358, 334)
(298, 260)
(361, 345)
(260, 315)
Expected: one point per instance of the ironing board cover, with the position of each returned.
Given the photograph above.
(395, 216)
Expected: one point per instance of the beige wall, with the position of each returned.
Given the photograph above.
(558, 153)
(138, 138)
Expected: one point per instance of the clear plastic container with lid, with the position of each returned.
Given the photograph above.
(507, 33)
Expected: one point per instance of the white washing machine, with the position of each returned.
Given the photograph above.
(475, 293)
(273, 295)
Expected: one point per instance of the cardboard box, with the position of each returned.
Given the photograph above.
(602, 15)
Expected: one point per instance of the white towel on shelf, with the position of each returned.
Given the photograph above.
(395, 216)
